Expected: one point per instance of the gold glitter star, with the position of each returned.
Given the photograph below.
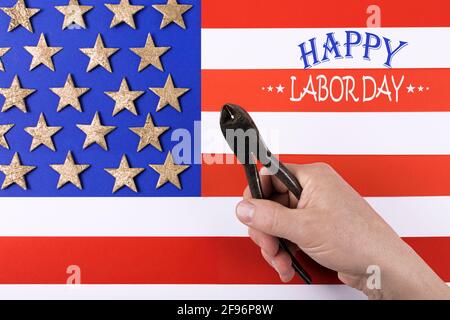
(69, 172)
(124, 98)
(149, 134)
(124, 175)
(15, 173)
(169, 95)
(123, 12)
(99, 55)
(20, 15)
(69, 95)
(3, 51)
(4, 128)
(73, 14)
(172, 12)
(168, 172)
(15, 96)
(95, 132)
(42, 134)
(42, 54)
(150, 55)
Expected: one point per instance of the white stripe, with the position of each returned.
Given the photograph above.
(179, 292)
(279, 48)
(190, 217)
(341, 133)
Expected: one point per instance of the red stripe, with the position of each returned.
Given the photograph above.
(324, 14)
(245, 87)
(370, 175)
(221, 260)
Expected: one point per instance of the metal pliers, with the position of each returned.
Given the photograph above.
(244, 139)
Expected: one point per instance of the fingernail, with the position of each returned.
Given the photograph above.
(245, 211)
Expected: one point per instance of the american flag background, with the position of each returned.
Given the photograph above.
(166, 242)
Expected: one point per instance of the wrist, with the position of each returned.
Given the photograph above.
(404, 275)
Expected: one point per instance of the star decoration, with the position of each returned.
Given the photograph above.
(20, 15)
(168, 172)
(149, 134)
(123, 12)
(4, 128)
(420, 88)
(410, 88)
(69, 95)
(270, 88)
(42, 134)
(124, 98)
(150, 55)
(69, 172)
(280, 89)
(169, 95)
(42, 54)
(15, 96)
(15, 173)
(124, 175)
(95, 132)
(3, 51)
(99, 55)
(73, 14)
(172, 12)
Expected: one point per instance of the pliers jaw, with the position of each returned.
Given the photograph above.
(242, 135)
(235, 117)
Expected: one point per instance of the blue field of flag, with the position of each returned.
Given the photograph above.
(182, 62)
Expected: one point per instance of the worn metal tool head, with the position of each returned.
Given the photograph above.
(235, 117)
(242, 135)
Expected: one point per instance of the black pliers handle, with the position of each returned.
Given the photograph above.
(244, 139)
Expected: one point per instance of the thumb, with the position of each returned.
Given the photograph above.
(270, 217)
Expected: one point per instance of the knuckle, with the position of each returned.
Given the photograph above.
(284, 264)
(274, 220)
(271, 247)
(323, 166)
(319, 170)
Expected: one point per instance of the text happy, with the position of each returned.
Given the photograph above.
(313, 53)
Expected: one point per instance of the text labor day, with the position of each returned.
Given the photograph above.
(344, 88)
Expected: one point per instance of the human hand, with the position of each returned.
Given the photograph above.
(336, 227)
